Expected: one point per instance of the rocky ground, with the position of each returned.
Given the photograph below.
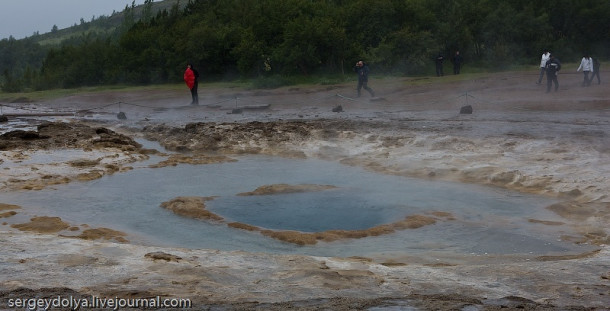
(518, 137)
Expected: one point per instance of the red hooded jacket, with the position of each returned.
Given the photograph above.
(189, 78)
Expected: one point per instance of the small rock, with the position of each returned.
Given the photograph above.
(466, 109)
(163, 256)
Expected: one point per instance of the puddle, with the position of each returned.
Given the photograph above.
(488, 221)
(61, 156)
(18, 124)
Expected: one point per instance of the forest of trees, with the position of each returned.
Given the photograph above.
(230, 39)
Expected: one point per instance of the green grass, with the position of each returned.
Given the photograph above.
(468, 73)
(59, 93)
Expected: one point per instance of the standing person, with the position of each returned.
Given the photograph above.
(439, 65)
(545, 57)
(362, 70)
(457, 62)
(596, 66)
(586, 64)
(191, 77)
(195, 87)
(552, 68)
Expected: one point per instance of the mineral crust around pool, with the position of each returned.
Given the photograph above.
(194, 207)
(285, 188)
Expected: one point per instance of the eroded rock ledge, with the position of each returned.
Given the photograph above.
(51, 135)
(402, 148)
(101, 151)
(55, 225)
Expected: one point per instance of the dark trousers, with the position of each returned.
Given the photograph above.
(595, 73)
(542, 71)
(456, 69)
(586, 81)
(363, 85)
(551, 79)
(194, 95)
(439, 70)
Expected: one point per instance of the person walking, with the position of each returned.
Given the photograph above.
(596, 66)
(586, 64)
(191, 77)
(552, 68)
(545, 57)
(439, 65)
(457, 62)
(362, 70)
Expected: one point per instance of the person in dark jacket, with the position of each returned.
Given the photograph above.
(596, 66)
(552, 68)
(191, 78)
(439, 65)
(362, 70)
(457, 62)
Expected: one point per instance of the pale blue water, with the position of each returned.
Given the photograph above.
(489, 220)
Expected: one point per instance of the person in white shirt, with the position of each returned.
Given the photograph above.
(586, 64)
(545, 57)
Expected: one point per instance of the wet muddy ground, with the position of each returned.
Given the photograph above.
(517, 138)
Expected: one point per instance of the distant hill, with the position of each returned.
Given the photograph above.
(21, 59)
(101, 25)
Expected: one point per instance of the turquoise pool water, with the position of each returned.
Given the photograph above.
(487, 220)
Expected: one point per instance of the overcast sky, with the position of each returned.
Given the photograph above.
(21, 18)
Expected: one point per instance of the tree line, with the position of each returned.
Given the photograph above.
(230, 39)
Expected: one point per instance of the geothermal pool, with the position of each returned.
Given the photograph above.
(488, 221)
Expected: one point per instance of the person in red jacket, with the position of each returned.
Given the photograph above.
(190, 78)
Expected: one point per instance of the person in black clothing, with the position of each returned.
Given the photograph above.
(439, 65)
(363, 77)
(194, 89)
(457, 62)
(596, 66)
(552, 68)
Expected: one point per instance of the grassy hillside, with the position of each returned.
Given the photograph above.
(101, 25)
